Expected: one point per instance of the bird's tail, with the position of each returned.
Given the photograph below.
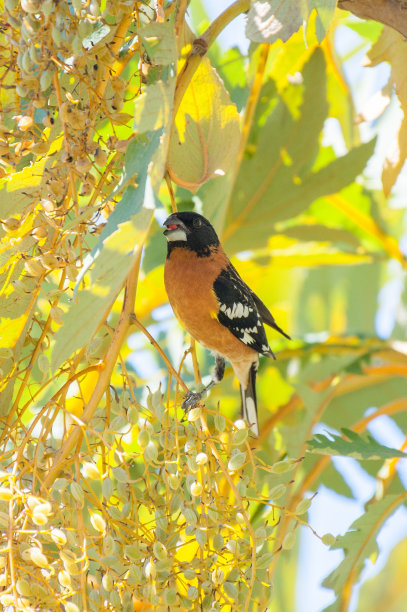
(249, 402)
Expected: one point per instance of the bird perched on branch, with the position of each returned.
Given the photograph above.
(216, 306)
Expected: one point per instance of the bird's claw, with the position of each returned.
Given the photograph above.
(190, 399)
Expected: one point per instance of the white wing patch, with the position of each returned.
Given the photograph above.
(247, 338)
(237, 311)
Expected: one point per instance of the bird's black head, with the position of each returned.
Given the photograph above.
(191, 231)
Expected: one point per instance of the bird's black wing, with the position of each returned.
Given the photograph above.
(238, 311)
(266, 315)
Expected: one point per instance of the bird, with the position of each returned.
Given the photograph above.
(215, 306)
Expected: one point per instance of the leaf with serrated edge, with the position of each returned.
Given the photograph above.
(358, 543)
(285, 186)
(356, 446)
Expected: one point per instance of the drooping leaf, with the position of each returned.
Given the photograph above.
(353, 445)
(106, 279)
(206, 134)
(113, 256)
(285, 186)
(136, 162)
(384, 591)
(359, 542)
(391, 48)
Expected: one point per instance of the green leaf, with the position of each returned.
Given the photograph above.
(320, 233)
(106, 279)
(114, 255)
(159, 42)
(325, 12)
(269, 20)
(356, 446)
(153, 108)
(359, 542)
(272, 19)
(205, 137)
(285, 186)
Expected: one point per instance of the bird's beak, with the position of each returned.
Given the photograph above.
(176, 229)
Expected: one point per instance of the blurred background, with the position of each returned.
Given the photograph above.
(333, 275)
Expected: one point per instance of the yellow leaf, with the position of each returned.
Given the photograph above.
(205, 138)
(10, 330)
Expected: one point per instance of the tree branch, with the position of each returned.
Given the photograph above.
(390, 12)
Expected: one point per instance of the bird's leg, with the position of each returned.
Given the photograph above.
(192, 397)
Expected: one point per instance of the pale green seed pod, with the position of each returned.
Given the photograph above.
(201, 458)
(56, 35)
(76, 45)
(236, 461)
(22, 91)
(90, 471)
(6, 494)
(11, 4)
(277, 491)
(240, 436)
(26, 62)
(64, 579)
(160, 551)
(218, 541)
(39, 519)
(289, 541)
(45, 79)
(143, 438)
(283, 466)
(23, 587)
(47, 6)
(38, 558)
(170, 597)
(196, 489)
(150, 569)
(107, 582)
(109, 546)
(98, 522)
(218, 576)
(230, 590)
(151, 452)
(58, 536)
(30, 6)
(303, 506)
(192, 593)
(233, 547)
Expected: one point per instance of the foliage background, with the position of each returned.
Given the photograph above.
(278, 148)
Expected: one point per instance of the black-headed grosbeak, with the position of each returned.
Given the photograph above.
(215, 305)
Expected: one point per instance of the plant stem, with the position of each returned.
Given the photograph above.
(203, 43)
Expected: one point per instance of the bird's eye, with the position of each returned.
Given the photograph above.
(197, 222)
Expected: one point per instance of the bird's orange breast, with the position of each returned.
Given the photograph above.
(189, 284)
